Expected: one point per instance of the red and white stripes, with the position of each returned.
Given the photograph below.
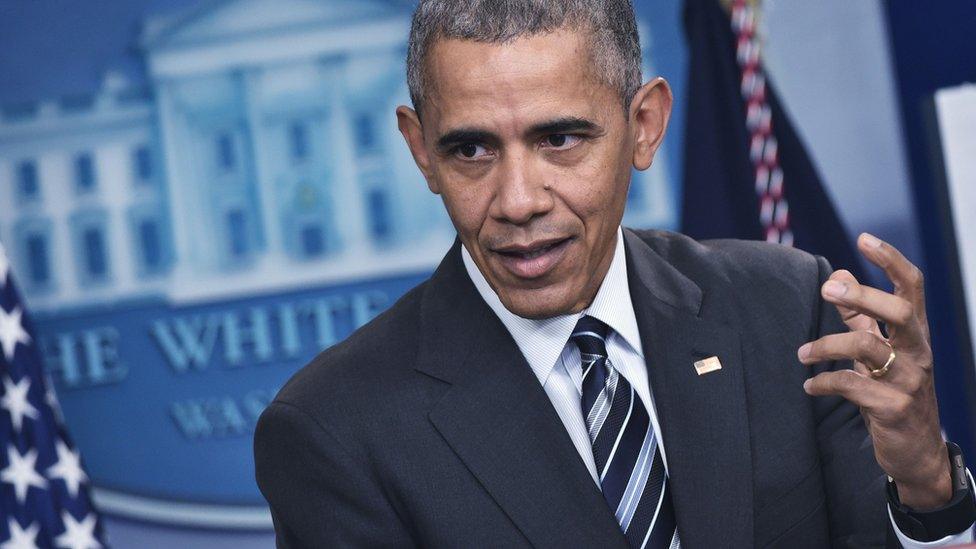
(773, 207)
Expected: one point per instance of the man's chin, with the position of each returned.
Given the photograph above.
(537, 304)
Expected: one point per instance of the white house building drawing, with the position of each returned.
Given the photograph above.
(260, 152)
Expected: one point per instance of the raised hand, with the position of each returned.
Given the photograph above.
(892, 380)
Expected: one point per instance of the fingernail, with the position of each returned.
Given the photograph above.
(871, 241)
(806, 385)
(834, 288)
(804, 351)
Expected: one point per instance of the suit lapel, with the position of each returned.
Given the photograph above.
(499, 421)
(703, 418)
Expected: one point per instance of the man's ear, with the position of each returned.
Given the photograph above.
(409, 123)
(649, 113)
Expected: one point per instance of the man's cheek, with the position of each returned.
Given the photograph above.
(466, 213)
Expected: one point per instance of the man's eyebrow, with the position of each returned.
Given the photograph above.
(564, 125)
(567, 124)
(465, 135)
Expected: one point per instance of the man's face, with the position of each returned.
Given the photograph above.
(532, 155)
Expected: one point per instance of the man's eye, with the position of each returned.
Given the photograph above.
(471, 151)
(561, 141)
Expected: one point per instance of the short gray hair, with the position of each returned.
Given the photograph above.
(611, 26)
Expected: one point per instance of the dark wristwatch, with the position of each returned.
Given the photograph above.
(952, 518)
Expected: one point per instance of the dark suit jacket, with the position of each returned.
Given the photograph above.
(427, 427)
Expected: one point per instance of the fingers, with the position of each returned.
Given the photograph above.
(862, 346)
(878, 399)
(907, 278)
(853, 386)
(854, 320)
(891, 309)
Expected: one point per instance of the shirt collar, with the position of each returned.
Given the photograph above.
(542, 341)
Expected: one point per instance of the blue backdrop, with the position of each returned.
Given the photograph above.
(198, 196)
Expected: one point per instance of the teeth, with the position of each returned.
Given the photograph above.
(537, 253)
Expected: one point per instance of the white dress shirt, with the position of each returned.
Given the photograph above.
(556, 361)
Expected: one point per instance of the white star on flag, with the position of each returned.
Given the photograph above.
(21, 472)
(68, 468)
(20, 538)
(15, 401)
(78, 535)
(4, 266)
(11, 332)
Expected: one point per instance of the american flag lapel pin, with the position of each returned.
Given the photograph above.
(707, 365)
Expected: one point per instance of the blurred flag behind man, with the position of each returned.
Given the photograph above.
(44, 492)
(746, 172)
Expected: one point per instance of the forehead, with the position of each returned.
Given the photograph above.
(514, 83)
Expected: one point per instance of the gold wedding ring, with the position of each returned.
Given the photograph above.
(884, 369)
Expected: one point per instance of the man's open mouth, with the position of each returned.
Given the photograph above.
(533, 259)
(531, 251)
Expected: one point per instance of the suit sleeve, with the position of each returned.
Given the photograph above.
(320, 493)
(854, 482)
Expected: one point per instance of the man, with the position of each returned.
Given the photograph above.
(562, 382)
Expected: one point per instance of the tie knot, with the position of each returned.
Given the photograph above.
(590, 335)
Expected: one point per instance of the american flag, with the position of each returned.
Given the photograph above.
(45, 498)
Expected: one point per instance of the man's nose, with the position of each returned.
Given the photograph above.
(521, 191)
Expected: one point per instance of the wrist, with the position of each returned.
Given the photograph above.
(932, 489)
(956, 516)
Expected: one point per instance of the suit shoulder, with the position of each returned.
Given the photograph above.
(368, 360)
(735, 261)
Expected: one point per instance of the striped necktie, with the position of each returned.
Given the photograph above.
(625, 449)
